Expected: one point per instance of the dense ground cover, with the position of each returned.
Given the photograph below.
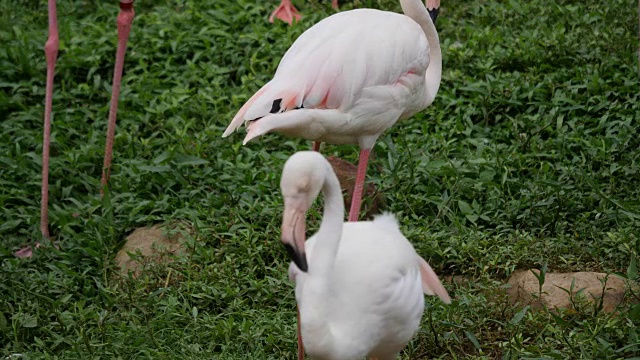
(528, 157)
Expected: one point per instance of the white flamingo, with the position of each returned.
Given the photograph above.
(359, 285)
(348, 79)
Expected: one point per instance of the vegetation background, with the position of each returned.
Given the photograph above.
(529, 157)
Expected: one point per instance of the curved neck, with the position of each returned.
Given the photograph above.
(330, 232)
(416, 11)
(313, 302)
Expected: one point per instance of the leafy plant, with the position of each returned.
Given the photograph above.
(528, 156)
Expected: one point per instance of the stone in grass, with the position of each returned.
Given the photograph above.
(372, 199)
(152, 245)
(525, 290)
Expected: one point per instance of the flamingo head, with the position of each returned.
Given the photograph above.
(302, 180)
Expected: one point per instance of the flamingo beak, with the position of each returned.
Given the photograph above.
(293, 233)
(433, 7)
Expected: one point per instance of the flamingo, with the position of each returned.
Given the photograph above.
(124, 21)
(287, 12)
(359, 285)
(349, 78)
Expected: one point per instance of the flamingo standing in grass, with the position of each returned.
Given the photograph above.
(124, 21)
(348, 79)
(359, 285)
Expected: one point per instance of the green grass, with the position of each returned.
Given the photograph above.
(528, 157)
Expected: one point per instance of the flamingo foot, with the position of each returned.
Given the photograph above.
(285, 12)
(26, 252)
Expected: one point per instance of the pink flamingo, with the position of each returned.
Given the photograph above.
(287, 12)
(125, 19)
(348, 79)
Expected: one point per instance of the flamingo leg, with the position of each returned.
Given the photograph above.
(51, 53)
(334, 4)
(316, 145)
(125, 19)
(354, 212)
(285, 12)
(300, 344)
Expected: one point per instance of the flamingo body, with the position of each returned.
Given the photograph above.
(376, 300)
(344, 84)
(361, 291)
(348, 79)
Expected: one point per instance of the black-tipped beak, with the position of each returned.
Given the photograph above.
(299, 258)
(293, 233)
(433, 13)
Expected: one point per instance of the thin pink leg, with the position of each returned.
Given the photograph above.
(300, 344)
(51, 53)
(125, 19)
(316, 145)
(334, 4)
(354, 213)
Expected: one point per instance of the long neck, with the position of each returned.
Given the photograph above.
(330, 232)
(416, 11)
(314, 301)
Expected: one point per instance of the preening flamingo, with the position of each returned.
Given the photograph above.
(348, 79)
(125, 18)
(359, 285)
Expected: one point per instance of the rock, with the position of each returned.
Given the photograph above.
(372, 199)
(525, 290)
(151, 245)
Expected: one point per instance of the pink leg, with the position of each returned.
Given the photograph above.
(125, 18)
(285, 12)
(354, 213)
(300, 345)
(51, 53)
(334, 4)
(316, 145)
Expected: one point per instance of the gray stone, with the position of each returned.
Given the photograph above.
(587, 288)
(154, 244)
